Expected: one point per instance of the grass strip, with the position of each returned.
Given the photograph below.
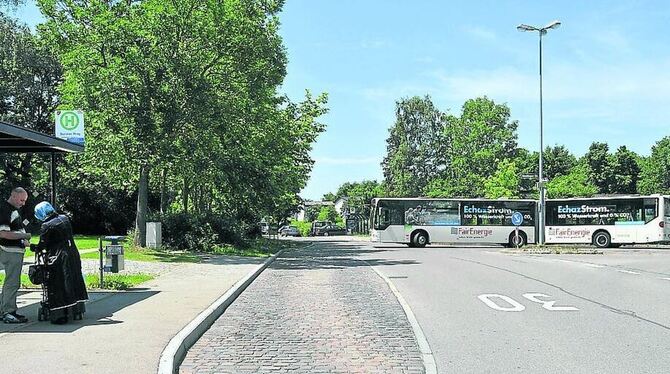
(149, 255)
(111, 281)
(554, 250)
(82, 242)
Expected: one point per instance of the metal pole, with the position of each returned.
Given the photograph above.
(101, 266)
(540, 174)
(53, 179)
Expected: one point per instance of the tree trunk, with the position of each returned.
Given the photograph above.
(163, 190)
(184, 195)
(142, 198)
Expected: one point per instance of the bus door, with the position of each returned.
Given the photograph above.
(389, 222)
(633, 221)
(666, 219)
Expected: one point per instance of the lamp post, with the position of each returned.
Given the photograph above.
(540, 181)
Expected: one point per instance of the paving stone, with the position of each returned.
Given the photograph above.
(314, 310)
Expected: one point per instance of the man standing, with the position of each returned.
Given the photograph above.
(13, 242)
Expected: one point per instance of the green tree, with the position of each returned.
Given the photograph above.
(359, 195)
(574, 184)
(9, 4)
(29, 75)
(528, 164)
(626, 171)
(504, 182)
(481, 138)
(413, 146)
(655, 174)
(600, 167)
(329, 197)
(328, 213)
(557, 161)
(182, 97)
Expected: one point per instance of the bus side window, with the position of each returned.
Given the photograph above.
(650, 210)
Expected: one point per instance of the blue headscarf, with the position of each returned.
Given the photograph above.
(43, 210)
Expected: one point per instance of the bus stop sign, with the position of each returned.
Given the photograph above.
(517, 219)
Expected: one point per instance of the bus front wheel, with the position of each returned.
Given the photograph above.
(602, 239)
(420, 239)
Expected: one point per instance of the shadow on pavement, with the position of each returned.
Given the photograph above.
(230, 260)
(99, 311)
(331, 255)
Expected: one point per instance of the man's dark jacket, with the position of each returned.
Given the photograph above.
(66, 285)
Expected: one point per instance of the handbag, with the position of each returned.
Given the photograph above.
(37, 274)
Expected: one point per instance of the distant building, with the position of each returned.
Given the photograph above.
(341, 206)
(300, 215)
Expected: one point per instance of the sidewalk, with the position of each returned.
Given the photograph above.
(122, 332)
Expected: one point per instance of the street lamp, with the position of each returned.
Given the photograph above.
(540, 181)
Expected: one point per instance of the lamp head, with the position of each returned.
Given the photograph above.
(552, 25)
(523, 27)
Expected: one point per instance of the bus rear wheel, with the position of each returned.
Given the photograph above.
(602, 239)
(518, 242)
(420, 239)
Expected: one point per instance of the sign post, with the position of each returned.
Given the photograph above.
(517, 220)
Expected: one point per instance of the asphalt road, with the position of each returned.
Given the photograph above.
(484, 311)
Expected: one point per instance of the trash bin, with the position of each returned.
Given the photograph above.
(114, 254)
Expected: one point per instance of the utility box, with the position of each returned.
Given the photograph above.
(154, 235)
(114, 254)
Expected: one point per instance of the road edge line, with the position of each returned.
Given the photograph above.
(175, 351)
(426, 353)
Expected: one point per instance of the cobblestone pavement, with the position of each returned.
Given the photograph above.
(315, 310)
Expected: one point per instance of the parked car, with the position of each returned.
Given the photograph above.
(289, 231)
(317, 225)
(329, 230)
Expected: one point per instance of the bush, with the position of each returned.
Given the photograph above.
(101, 211)
(202, 233)
(303, 226)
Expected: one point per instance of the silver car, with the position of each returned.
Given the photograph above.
(289, 231)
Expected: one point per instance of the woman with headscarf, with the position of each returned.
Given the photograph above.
(65, 286)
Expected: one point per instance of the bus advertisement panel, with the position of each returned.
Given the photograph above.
(420, 221)
(608, 221)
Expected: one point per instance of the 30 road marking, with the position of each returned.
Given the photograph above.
(515, 306)
(549, 304)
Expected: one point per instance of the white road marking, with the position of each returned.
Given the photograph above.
(628, 272)
(549, 304)
(582, 263)
(515, 306)
(668, 279)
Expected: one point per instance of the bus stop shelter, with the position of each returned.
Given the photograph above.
(17, 139)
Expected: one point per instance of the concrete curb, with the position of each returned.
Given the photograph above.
(426, 353)
(175, 351)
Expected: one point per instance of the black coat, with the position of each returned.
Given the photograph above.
(65, 284)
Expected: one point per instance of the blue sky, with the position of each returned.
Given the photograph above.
(606, 71)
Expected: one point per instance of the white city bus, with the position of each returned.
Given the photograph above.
(417, 222)
(608, 221)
